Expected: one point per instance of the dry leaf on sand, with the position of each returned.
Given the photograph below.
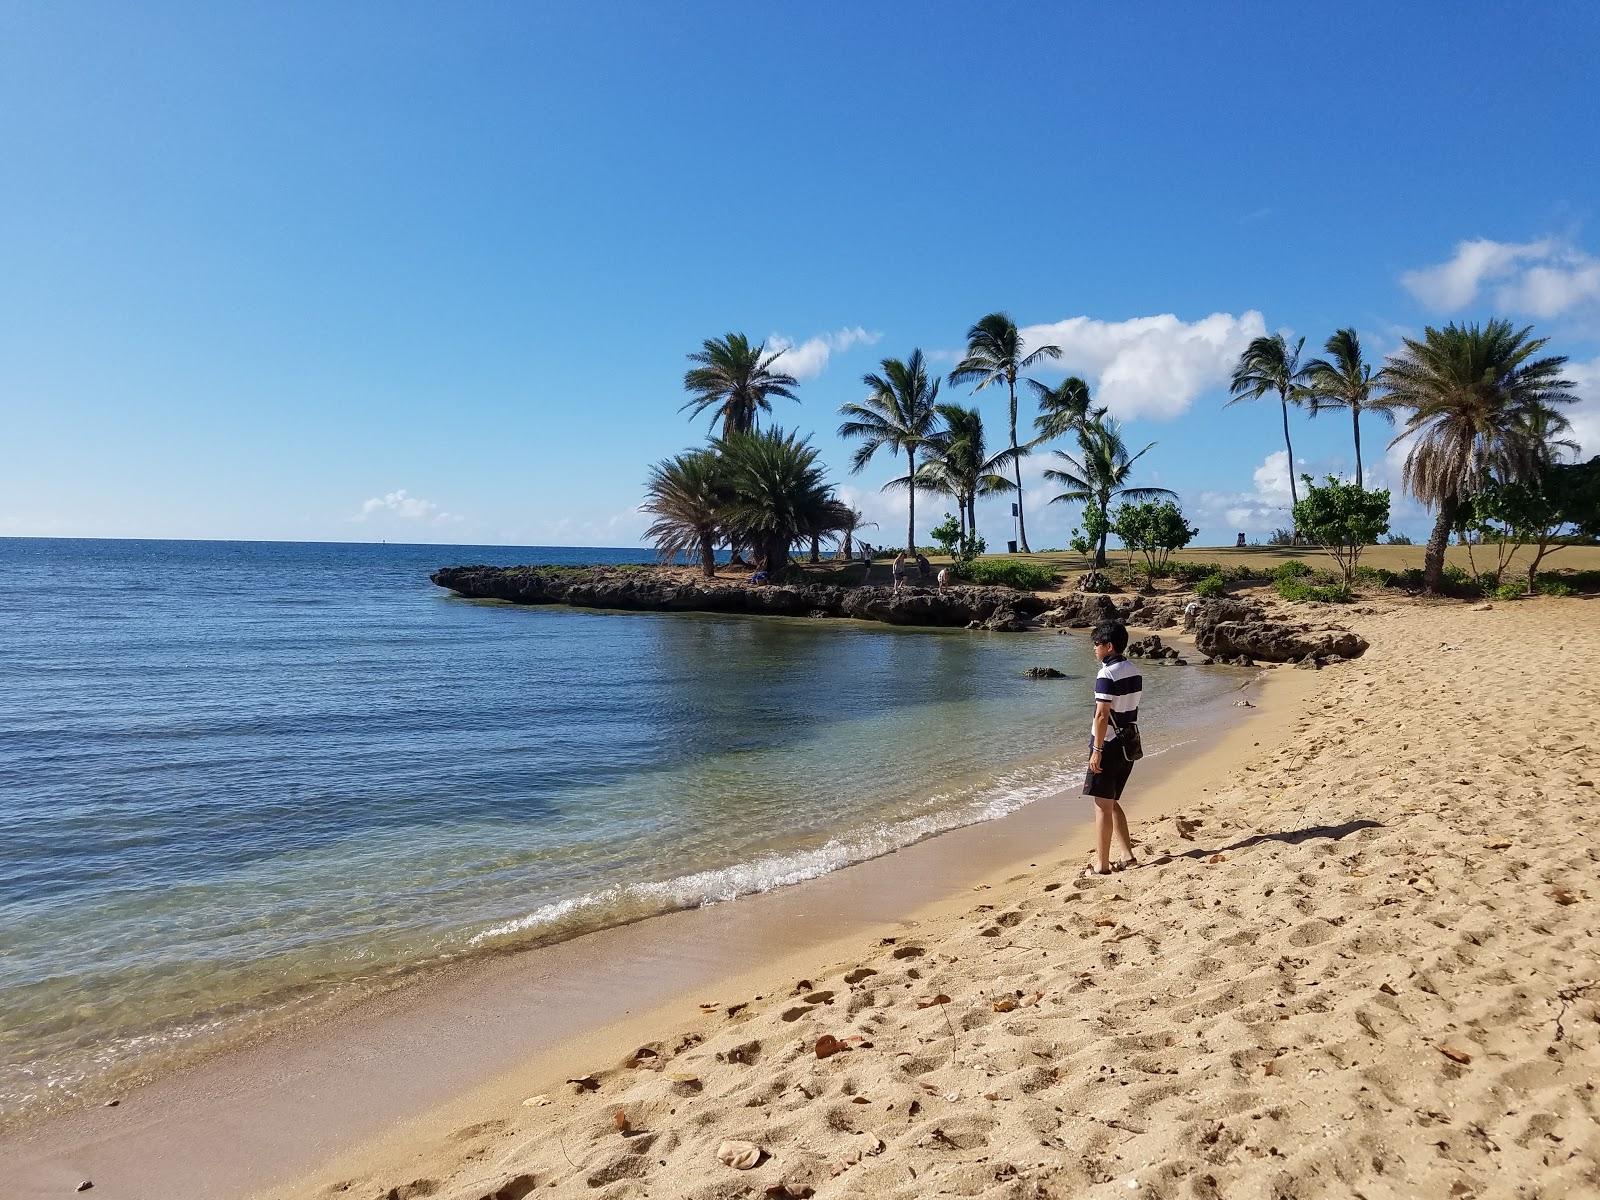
(741, 1156)
(620, 1120)
(931, 1001)
(1006, 1005)
(828, 1046)
(1217, 858)
(1454, 1055)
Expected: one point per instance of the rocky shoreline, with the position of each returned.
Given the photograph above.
(1230, 630)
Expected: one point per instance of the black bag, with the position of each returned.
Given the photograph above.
(1128, 739)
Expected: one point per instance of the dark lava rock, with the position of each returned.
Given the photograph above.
(1273, 641)
(643, 589)
(1044, 673)
(1081, 611)
(1145, 647)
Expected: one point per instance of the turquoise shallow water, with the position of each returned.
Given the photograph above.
(239, 778)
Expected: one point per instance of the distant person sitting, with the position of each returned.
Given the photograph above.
(924, 567)
(759, 577)
(898, 571)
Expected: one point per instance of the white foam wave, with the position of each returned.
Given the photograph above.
(1005, 795)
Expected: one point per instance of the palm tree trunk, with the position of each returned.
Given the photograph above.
(1433, 559)
(816, 548)
(1294, 492)
(849, 536)
(1016, 464)
(911, 510)
(708, 556)
(1355, 421)
(1100, 550)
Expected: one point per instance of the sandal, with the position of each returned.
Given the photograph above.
(1089, 872)
(1123, 864)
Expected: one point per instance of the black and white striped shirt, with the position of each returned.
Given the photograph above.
(1119, 684)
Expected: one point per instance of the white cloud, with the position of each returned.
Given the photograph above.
(808, 359)
(1149, 366)
(1544, 278)
(1260, 510)
(1585, 414)
(401, 504)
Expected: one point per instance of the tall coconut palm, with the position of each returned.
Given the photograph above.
(687, 494)
(1482, 406)
(994, 355)
(1099, 473)
(960, 466)
(735, 380)
(777, 492)
(1062, 408)
(1343, 380)
(1268, 365)
(900, 412)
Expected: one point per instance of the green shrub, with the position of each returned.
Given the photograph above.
(1008, 573)
(1293, 569)
(1547, 585)
(1374, 576)
(1511, 589)
(1189, 572)
(1211, 587)
(1300, 591)
(1576, 581)
(1241, 574)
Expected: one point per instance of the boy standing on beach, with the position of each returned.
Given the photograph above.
(1117, 689)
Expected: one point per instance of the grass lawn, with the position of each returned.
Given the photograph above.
(1263, 558)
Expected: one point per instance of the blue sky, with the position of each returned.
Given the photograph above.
(430, 272)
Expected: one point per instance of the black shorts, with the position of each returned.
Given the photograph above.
(1115, 767)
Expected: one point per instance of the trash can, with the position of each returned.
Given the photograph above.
(1011, 547)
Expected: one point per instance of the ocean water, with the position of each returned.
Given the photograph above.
(240, 779)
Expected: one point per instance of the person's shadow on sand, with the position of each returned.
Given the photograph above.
(1292, 837)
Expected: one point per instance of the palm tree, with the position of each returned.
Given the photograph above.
(1343, 380)
(900, 412)
(735, 380)
(1268, 365)
(687, 495)
(846, 520)
(1099, 474)
(994, 354)
(1062, 408)
(777, 493)
(1482, 406)
(960, 466)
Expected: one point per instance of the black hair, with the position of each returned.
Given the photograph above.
(1114, 632)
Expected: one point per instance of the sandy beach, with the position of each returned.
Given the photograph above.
(1360, 959)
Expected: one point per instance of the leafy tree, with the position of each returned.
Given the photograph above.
(994, 355)
(1099, 473)
(1268, 365)
(1343, 380)
(960, 466)
(777, 493)
(1154, 528)
(736, 382)
(900, 412)
(1342, 518)
(1482, 407)
(948, 534)
(1559, 506)
(687, 495)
